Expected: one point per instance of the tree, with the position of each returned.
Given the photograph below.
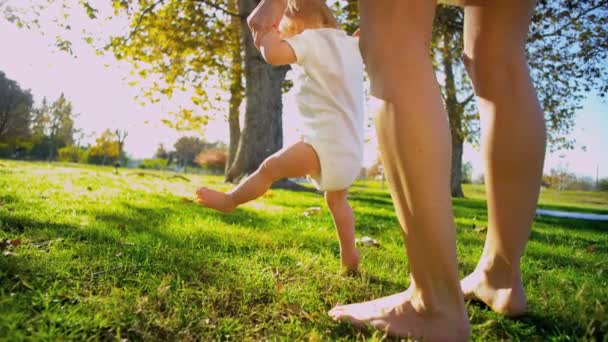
(56, 124)
(187, 148)
(15, 110)
(61, 125)
(214, 159)
(106, 149)
(121, 136)
(236, 90)
(263, 129)
(40, 131)
(161, 152)
(602, 185)
(71, 154)
(187, 44)
(467, 173)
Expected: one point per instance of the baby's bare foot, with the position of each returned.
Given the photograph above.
(215, 200)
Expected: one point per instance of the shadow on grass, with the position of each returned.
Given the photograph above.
(93, 244)
(574, 209)
(574, 224)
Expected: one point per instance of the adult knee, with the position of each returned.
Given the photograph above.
(494, 70)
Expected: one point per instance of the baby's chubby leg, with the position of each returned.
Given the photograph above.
(297, 160)
(344, 220)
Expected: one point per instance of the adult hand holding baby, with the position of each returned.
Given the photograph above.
(266, 15)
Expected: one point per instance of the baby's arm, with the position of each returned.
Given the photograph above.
(275, 50)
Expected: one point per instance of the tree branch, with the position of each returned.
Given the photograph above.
(221, 9)
(575, 19)
(467, 100)
(141, 18)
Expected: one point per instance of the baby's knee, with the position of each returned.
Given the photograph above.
(270, 168)
(335, 199)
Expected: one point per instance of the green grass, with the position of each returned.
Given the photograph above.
(128, 255)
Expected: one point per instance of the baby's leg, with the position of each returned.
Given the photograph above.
(344, 220)
(297, 160)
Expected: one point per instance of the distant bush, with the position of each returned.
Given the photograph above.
(602, 184)
(582, 184)
(562, 179)
(6, 151)
(18, 148)
(375, 171)
(72, 154)
(467, 173)
(481, 179)
(153, 164)
(213, 159)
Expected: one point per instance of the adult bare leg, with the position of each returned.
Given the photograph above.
(513, 137)
(415, 144)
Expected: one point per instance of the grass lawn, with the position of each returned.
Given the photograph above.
(129, 255)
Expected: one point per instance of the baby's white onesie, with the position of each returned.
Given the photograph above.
(330, 101)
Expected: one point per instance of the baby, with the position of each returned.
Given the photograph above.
(330, 102)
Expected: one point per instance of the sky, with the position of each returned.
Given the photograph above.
(100, 94)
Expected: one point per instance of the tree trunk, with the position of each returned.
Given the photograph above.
(262, 132)
(455, 114)
(456, 183)
(236, 94)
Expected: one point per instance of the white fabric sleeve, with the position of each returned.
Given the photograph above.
(301, 45)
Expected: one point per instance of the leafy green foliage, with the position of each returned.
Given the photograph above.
(15, 107)
(106, 149)
(184, 47)
(187, 148)
(72, 154)
(153, 164)
(52, 127)
(130, 256)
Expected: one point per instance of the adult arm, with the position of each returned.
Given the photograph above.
(267, 14)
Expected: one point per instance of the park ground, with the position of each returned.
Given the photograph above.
(91, 254)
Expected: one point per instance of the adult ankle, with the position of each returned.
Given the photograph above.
(500, 268)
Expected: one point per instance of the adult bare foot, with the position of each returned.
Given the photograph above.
(350, 261)
(403, 315)
(503, 293)
(215, 200)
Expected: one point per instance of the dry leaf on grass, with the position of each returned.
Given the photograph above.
(482, 229)
(312, 211)
(8, 243)
(295, 309)
(5, 243)
(8, 254)
(179, 177)
(367, 241)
